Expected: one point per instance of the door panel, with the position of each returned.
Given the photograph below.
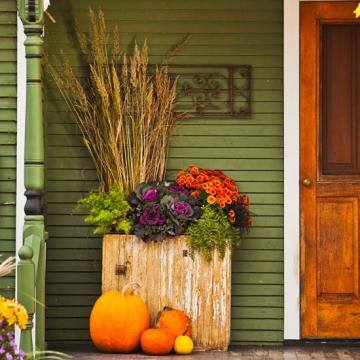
(337, 238)
(329, 169)
(340, 87)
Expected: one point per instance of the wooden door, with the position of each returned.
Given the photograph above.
(330, 169)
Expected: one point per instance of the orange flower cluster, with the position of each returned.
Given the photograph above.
(219, 188)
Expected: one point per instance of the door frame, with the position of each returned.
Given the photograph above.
(310, 116)
(292, 277)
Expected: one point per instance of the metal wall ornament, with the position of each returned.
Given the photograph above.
(214, 90)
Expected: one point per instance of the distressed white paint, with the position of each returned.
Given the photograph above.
(291, 171)
(168, 278)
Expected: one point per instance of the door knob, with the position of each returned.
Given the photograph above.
(306, 182)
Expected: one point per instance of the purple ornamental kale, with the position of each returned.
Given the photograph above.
(181, 208)
(152, 215)
(178, 189)
(150, 195)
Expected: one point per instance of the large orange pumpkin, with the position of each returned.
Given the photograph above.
(176, 321)
(157, 341)
(118, 319)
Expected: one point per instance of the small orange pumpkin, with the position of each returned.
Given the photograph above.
(176, 321)
(157, 341)
(118, 319)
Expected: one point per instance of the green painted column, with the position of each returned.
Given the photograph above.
(31, 13)
(26, 294)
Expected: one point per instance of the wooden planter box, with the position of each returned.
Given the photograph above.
(169, 276)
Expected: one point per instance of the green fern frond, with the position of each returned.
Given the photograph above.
(212, 231)
(107, 211)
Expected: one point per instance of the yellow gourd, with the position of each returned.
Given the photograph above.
(183, 345)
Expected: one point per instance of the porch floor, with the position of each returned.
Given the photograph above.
(245, 353)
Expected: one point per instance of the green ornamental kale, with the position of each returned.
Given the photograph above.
(212, 231)
(107, 211)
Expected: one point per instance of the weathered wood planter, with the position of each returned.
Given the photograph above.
(169, 276)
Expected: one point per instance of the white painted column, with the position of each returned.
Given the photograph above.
(291, 172)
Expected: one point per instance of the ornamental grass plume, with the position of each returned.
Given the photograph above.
(7, 266)
(126, 110)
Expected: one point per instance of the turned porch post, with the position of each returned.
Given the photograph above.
(31, 14)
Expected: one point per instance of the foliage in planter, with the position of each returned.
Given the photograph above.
(212, 231)
(14, 314)
(11, 314)
(107, 211)
(217, 189)
(226, 213)
(159, 210)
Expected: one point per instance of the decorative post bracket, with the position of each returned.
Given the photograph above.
(31, 13)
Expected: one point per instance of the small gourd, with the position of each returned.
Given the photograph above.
(183, 345)
(176, 321)
(157, 341)
(118, 319)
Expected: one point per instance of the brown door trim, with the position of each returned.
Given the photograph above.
(311, 16)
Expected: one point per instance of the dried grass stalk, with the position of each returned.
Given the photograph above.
(125, 114)
(7, 266)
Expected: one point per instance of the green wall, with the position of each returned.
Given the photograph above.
(249, 150)
(7, 136)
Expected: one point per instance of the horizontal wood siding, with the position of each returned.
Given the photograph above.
(8, 32)
(249, 150)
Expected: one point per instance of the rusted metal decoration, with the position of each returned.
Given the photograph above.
(214, 90)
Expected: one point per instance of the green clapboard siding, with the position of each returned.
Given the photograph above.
(7, 137)
(249, 150)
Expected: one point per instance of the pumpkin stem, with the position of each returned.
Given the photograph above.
(156, 321)
(129, 289)
(167, 308)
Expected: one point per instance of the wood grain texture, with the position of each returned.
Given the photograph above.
(168, 278)
(247, 353)
(8, 33)
(329, 204)
(340, 114)
(337, 247)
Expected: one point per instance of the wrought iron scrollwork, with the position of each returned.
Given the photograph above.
(214, 90)
(203, 90)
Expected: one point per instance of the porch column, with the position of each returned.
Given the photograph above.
(31, 14)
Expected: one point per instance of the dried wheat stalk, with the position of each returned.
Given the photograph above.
(7, 266)
(125, 114)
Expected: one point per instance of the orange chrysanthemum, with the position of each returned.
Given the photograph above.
(222, 189)
(211, 199)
